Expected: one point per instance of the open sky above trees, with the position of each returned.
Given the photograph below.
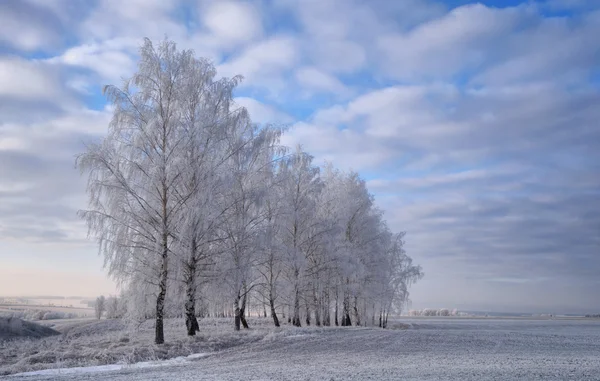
(476, 126)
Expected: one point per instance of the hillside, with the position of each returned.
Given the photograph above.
(11, 328)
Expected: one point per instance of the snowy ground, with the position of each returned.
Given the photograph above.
(429, 349)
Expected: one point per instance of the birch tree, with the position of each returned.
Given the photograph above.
(300, 186)
(253, 150)
(135, 170)
(206, 119)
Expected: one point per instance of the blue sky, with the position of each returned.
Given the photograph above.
(475, 124)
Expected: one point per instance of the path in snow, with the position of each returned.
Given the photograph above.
(431, 350)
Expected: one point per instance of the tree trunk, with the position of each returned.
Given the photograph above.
(346, 321)
(273, 312)
(159, 335)
(191, 322)
(190, 315)
(236, 306)
(243, 309)
(326, 311)
(317, 308)
(307, 314)
(337, 323)
(373, 316)
(356, 313)
(296, 318)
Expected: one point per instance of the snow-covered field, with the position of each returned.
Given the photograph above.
(424, 349)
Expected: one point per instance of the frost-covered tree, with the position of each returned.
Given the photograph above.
(208, 119)
(198, 210)
(300, 187)
(271, 263)
(245, 178)
(100, 306)
(136, 171)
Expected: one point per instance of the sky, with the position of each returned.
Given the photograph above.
(476, 125)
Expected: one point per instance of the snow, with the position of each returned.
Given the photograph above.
(113, 367)
(433, 349)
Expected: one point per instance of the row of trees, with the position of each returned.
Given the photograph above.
(434, 312)
(112, 307)
(195, 207)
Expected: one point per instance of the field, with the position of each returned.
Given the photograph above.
(34, 308)
(414, 349)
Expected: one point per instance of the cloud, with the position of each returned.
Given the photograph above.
(313, 79)
(23, 79)
(262, 113)
(40, 189)
(30, 25)
(264, 63)
(232, 22)
(446, 46)
(110, 60)
(27, 85)
(476, 126)
(338, 35)
(137, 18)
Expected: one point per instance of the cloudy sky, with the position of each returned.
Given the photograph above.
(477, 126)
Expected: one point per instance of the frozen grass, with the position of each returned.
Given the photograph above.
(87, 342)
(415, 349)
(419, 349)
(14, 328)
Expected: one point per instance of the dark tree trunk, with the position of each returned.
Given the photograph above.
(191, 322)
(159, 335)
(273, 312)
(356, 313)
(190, 316)
(307, 315)
(346, 321)
(243, 309)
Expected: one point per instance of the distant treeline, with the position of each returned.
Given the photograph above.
(594, 316)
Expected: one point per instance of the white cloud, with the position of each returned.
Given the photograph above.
(111, 59)
(339, 56)
(23, 79)
(563, 52)
(264, 63)
(443, 47)
(262, 113)
(133, 18)
(30, 25)
(313, 79)
(232, 23)
(345, 148)
(30, 37)
(496, 164)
